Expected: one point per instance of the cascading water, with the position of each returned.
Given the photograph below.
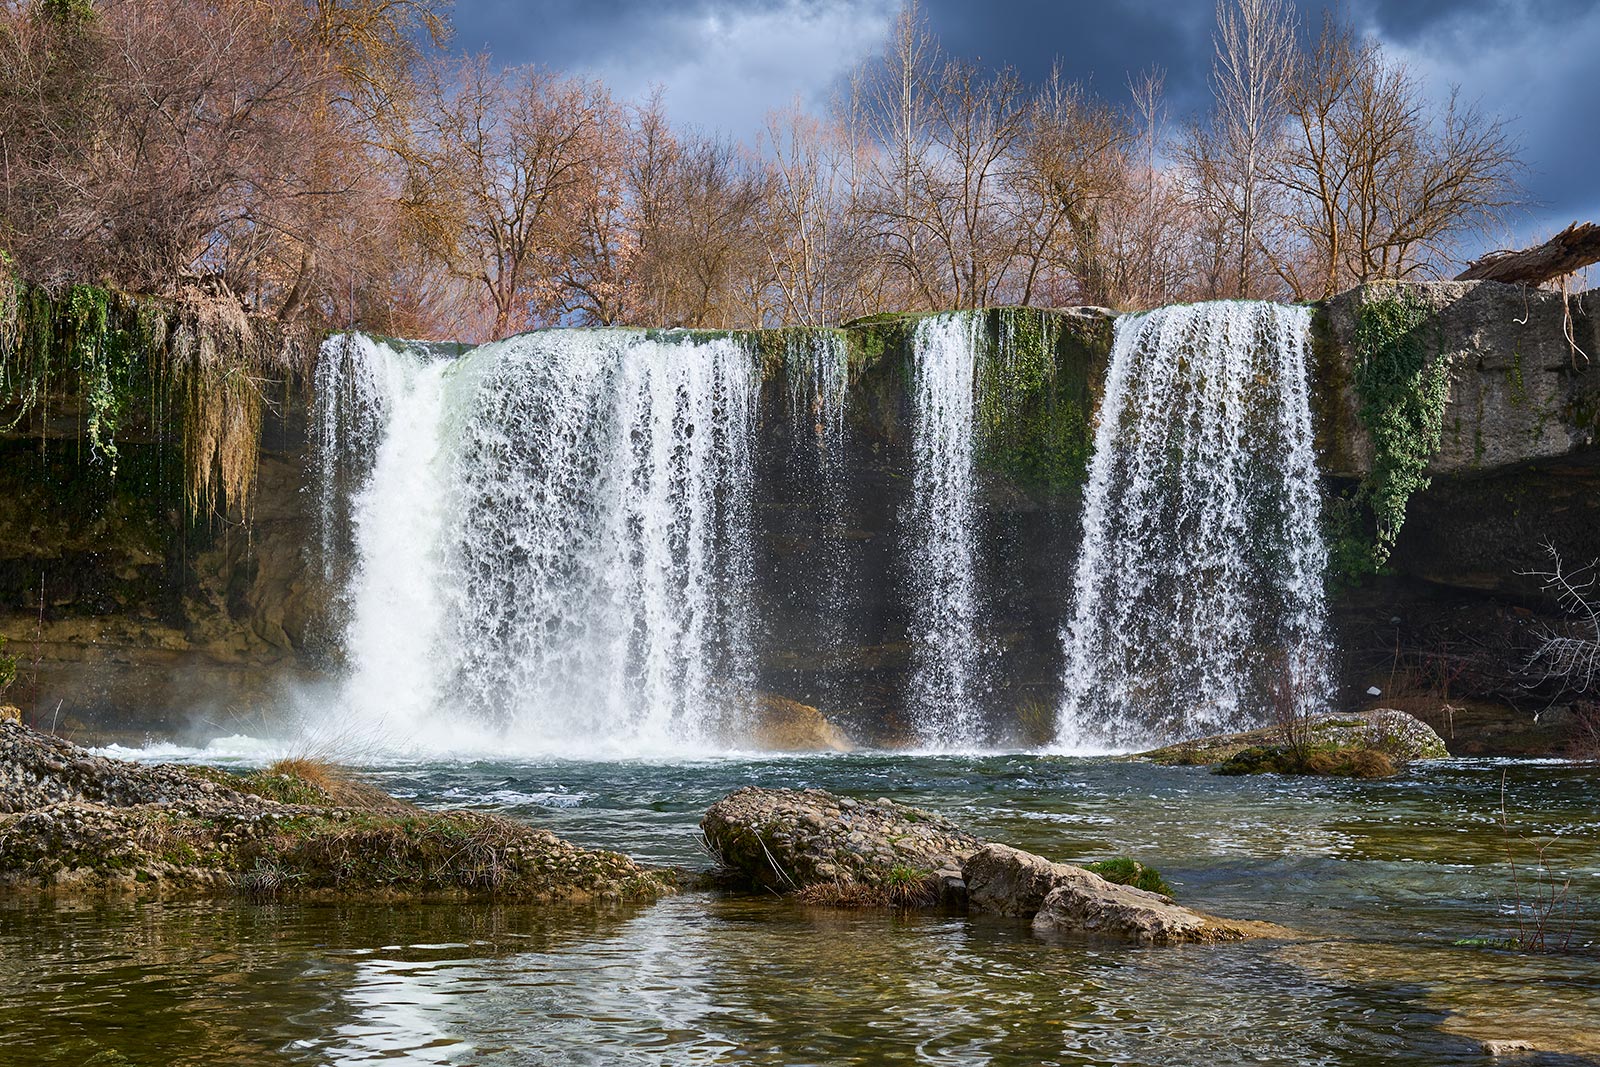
(817, 373)
(1198, 598)
(553, 543)
(947, 653)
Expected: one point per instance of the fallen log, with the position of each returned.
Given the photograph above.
(1571, 250)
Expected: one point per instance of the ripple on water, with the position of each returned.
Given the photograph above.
(1383, 877)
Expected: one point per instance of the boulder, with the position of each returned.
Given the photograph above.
(1084, 904)
(783, 725)
(1008, 881)
(789, 839)
(1402, 737)
(1059, 898)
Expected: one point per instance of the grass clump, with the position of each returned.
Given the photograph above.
(308, 780)
(901, 887)
(1123, 870)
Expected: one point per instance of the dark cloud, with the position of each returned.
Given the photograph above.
(726, 62)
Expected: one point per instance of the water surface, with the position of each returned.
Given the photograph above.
(1384, 879)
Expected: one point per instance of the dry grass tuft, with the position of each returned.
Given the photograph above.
(308, 780)
(903, 888)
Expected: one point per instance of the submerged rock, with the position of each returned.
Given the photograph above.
(828, 849)
(1400, 737)
(74, 822)
(789, 839)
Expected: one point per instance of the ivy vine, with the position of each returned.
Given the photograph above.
(1402, 382)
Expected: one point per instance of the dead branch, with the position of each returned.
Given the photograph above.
(1567, 252)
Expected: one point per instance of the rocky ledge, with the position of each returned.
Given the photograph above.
(1360, 744)
(826, 848)
(71, 821)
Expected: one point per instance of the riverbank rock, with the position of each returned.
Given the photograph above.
(830, 849)
(784, 725)
(789, 839)
(1403, 738)
(1059, 898)
(72, 822)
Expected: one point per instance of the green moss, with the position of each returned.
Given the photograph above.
(1323, 760)
(1515, 384)
(1402, 382)
(1123, 870)
(1035, 398)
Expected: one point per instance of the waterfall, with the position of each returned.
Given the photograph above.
(818, 371)
(1198, 600)
(817, 375)
(553, 543)
(941, 529)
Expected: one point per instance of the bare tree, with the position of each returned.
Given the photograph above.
(979, 122)
(505, 166)
(1069, 166)
(1571, 658)
(813, 235)
(1377, 183)
(897, 100)
(1231, 156)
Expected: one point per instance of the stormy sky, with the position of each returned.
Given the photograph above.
(725, 63)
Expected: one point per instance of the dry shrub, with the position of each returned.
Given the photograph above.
(1583, 742)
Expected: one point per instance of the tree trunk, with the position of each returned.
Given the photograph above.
(1571, 250)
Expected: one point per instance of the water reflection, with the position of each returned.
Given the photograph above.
(1382, 878)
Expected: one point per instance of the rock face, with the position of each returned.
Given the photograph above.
(786, 839)
(1398, 735)
(74, 822)
(133, 619)
(1518, 390)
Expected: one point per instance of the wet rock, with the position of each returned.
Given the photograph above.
(799, 841)
(783, 725)
(788, 839)
(1508, 1047)
(1084, 904)
(1008, 881)
(1059, 898)
(1401, 737)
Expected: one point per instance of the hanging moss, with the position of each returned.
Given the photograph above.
(1402, 382)
(188, 374)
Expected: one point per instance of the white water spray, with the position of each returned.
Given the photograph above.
(553, 545)
(1199, 580)
(947, 653)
